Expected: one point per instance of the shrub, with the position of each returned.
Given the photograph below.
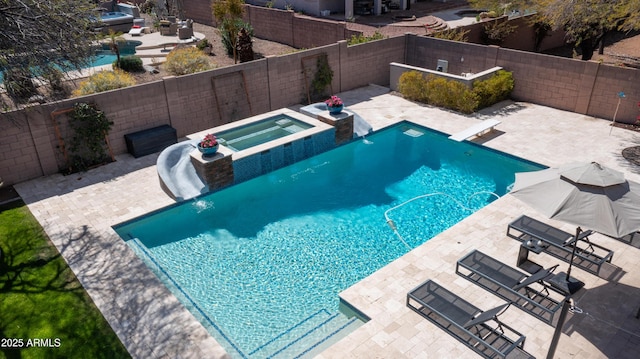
(412, 86)
(494, 89)
(54, 79)
(88, 146)
(226, 35)
(19, 84)
(451, 94)
(322, 77)
(360, 39)
(202, 44)
(494, 32)
(187, 60)
(456, 34)
(129, 64)
(105, 81)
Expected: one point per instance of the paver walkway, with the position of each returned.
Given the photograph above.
(77, 213)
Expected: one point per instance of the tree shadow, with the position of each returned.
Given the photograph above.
(140, 309)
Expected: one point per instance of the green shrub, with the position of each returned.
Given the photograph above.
(129, 64)
(226, 36)
(54, 78)
(202, 44)
(451, 94)
(187, 60)
(455, 34)
(360, 39)
(322, 78)
(19, 84)
(105, 81)
(88, 146)
(494, 89)
(412, 86)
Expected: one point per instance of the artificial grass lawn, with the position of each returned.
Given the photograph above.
(40, 298)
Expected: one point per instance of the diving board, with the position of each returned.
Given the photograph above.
(476, 130)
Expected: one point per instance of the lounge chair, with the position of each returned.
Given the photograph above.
(589, 256)
(467, 323)
(527, 292)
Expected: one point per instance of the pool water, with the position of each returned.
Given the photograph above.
(103, 56)
(261, 132)
(261, 264)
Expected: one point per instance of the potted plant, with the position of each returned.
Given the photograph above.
(334, 105)
(209, 145)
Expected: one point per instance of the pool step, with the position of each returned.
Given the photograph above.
(309, 337)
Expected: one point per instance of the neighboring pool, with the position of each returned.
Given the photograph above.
(261, 132)
(261, 263)
(106, 57)
(103, 56)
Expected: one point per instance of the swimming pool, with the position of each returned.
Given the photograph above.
(105, 56)
(261, 264)
(102, 56)
(261, 132)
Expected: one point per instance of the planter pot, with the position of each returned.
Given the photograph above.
(334, 110)
(208, 151)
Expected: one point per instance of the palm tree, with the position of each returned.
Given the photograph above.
(115, 39)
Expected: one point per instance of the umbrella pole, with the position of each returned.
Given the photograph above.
(573, 252)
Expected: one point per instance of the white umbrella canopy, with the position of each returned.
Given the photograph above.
(587, 195)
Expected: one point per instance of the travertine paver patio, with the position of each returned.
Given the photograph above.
(77, 212)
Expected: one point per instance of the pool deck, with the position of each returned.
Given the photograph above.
(77, 213)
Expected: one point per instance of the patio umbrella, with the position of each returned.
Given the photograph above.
(583, 194)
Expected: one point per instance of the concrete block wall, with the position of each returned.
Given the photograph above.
(375, 55)
(299, 31)
(198, 11)
(271, 24)
(544, 79)
(462, 57)
(523, 38)
(18, 156)
(131, 109)
(311, 32)
(609, 82)
(188, 103)
(287, 81)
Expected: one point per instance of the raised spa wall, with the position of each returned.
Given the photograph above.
(228, 167)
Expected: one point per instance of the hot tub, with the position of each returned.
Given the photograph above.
(266, 142)
(257, 133)
(114, 20)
